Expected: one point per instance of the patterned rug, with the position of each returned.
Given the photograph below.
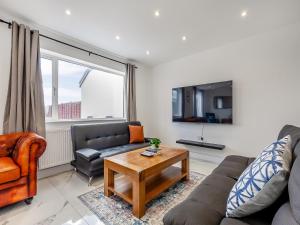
(115, 211)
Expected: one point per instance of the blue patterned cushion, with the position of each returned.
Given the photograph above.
(263, 180)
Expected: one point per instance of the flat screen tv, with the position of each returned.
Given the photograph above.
(204, 103)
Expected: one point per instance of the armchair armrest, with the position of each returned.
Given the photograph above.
(28, 149)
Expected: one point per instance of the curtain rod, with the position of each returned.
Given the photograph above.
(72, 46)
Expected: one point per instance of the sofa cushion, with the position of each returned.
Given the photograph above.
(136, 134)
(233, 166)
(263, 181)
(206, 205)
(284, 216)
(9, 171)
(232, 221)
(88, 153)
(294, 189)
(121, 149)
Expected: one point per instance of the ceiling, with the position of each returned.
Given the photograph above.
(205, 23)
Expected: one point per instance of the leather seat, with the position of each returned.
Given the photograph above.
(9, 171)
(19, 153)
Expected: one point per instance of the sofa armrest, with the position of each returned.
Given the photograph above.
(88, 153)
(28, 149)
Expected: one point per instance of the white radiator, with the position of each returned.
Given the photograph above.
(59, 149)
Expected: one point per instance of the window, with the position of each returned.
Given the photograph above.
(74, 90)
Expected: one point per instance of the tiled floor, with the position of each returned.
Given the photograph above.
(57, 202)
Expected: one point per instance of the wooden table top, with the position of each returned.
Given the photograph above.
(135, 161)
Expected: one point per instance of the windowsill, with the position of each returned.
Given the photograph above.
(86, 120)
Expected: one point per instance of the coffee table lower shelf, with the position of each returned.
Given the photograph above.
(154, 185)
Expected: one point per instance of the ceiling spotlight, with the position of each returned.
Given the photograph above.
(68, 12)
(147, 52)
(244, 13)
(118, 37)
(183, 38)
(156, 13)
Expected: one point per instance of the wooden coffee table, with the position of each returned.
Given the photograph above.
(145, 177)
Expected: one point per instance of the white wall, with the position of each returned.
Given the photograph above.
(265, 70)
(102, 95)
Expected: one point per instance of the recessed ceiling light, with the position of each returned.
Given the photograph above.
(118, 37)
(147, 52)
(244, 13)
(68, 12)
(157, 13)
(183, 38)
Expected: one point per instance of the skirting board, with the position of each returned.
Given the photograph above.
(54, 171)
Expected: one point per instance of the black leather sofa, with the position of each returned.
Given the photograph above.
(206, 205)
(93, 142)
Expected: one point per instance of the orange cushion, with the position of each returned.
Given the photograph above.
(9, 171)
(136, 134)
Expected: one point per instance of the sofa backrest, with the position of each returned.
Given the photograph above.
(101, 135)
(294, 179)
(295, 134)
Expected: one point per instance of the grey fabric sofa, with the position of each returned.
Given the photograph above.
(93, 142)
(206, 205)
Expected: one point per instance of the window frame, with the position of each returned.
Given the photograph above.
(55, 58)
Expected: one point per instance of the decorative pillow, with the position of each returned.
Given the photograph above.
(136, 134)
(263, 180)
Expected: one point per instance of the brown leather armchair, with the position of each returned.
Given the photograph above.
(19, 153)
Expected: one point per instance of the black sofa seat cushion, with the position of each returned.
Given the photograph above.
(97, 164)
(121, 149)
(88, 154)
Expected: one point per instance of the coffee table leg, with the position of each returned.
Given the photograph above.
(139, 192)
(185, 168)
(108, 181)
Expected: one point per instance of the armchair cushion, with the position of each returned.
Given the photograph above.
(9, 171)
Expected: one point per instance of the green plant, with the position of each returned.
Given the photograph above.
(155, 142)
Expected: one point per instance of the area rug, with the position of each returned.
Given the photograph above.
(114, 211)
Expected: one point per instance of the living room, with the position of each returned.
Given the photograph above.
(149, 112)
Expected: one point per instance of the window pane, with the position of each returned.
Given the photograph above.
(69, 93)
(102, 95)
(46, 66)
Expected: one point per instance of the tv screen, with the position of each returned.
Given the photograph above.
(205, 103)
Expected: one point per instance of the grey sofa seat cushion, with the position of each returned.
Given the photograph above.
(121, 149)
(284, 216)
(192, 213)
(294, 189)
(206, 205)
(88, 153)
(233, 166)
(232, 221)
